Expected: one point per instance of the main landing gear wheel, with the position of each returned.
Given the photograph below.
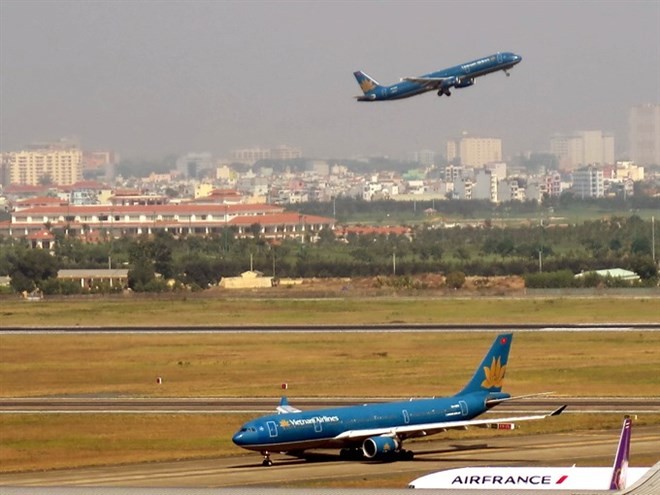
(350, 454)
(406, 455)
(267, 461)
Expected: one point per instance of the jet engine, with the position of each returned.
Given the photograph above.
(464, 83)
(375, 447)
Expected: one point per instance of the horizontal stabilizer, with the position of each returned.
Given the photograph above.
(285, 408)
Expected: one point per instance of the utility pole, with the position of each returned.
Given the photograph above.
(653, 238)
(394, 262)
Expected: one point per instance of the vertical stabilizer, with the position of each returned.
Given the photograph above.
(367, 83)
(620, 468)
(489, 376)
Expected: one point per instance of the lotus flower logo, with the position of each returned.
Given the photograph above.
(284, 423)
(366, 85)
(494, 374)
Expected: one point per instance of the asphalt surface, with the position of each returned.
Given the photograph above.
(592, 448)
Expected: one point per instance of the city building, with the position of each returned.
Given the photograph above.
(485, 185)
(191, 165)
(186, 218)
(644, 134)
(43, 164)
(582, 148)
(588, 182)
(474, 151)
(250, 156)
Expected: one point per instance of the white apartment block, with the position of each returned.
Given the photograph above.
(250, 156)
(475, 151)
(29, 167)
(583, 148)
(510, 190)
(463, 189)
(644, 134)
(485, 185)
(628, 171)
(588, 182)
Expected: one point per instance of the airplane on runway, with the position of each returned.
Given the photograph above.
(618, 477)
(377, 431)
(459, 76)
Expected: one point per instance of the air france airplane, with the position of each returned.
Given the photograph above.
(460, 76)
(377, 431)
(618, 477)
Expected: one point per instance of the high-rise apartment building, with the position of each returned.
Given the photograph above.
(44, 164)
(644, 134)
(588, 182)
(250, 156)
(583, 148)
(474, 151)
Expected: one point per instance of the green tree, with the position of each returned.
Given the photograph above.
(30, 267)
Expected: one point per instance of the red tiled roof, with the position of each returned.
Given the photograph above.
(42, 235)
(149, 209)
(42, 200)
(24, 189)
(287, 218)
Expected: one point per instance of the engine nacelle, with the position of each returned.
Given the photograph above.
(375, 447)
(464, 83)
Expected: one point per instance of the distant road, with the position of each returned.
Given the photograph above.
(227, 405)
(601, 327)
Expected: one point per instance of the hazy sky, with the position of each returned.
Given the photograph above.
(151, 78)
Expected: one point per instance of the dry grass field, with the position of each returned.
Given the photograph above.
(343, 309)
(313, 364)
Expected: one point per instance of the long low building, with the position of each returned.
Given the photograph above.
(270, 221)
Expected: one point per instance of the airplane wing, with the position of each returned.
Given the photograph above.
(409, 431)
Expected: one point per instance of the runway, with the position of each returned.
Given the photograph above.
(595, 448)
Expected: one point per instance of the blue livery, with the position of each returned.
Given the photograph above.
(376, 431)
(460, 76)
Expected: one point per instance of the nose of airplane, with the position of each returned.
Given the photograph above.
(516, 59)
(239, 438)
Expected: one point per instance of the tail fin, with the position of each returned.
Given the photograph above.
(620, 468)
(489, 376)
(366, 82)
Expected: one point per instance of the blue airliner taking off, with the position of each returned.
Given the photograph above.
(377, 431)
(460, 76)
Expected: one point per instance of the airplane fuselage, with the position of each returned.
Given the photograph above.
(321, 428)
(459, 76)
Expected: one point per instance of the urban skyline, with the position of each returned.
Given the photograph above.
(157, 78)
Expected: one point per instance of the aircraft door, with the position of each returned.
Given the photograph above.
(464, 407)
(318, 427)
(406, 417)
(272, 429)
(499, 58)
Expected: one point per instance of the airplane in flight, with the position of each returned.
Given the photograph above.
(618, 477)
(377, 431)
(459, 76)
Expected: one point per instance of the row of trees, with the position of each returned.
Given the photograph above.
(199, 262)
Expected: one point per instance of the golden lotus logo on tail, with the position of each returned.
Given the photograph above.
(367, 85)
(494, 374)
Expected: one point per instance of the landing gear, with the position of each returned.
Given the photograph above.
(267, 460)
(444, 92)
(508, 74)
(406, 455)
(351, 454)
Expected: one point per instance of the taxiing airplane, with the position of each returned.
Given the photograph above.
(619, 477)
(460, 76)
(377, 431)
